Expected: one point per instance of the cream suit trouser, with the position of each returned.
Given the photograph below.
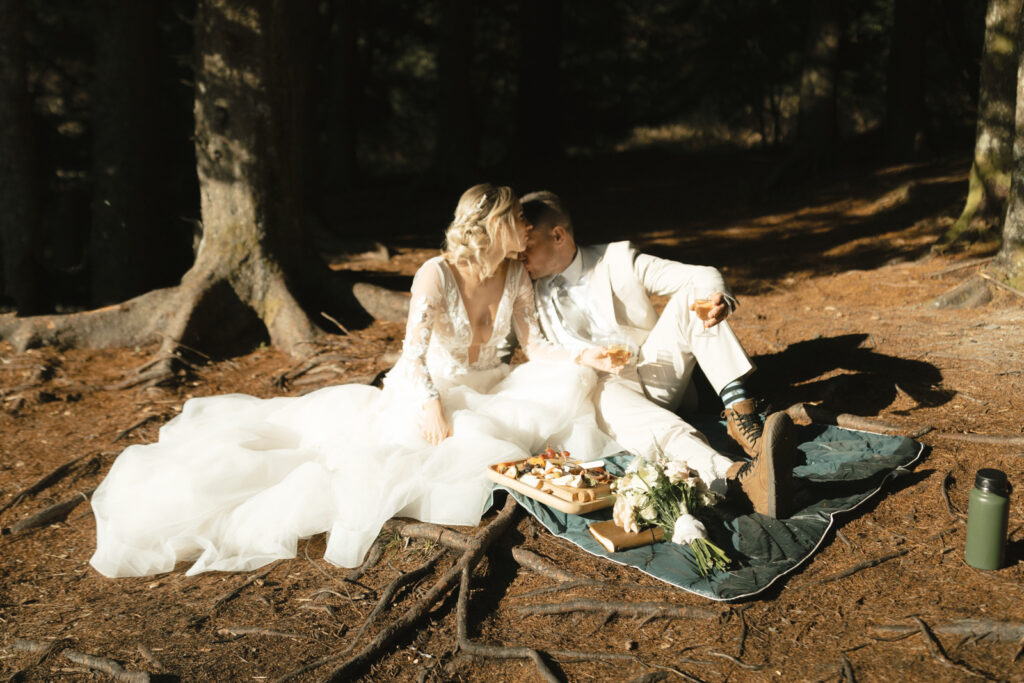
(636, 409)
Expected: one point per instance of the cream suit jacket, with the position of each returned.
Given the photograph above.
(622, 281)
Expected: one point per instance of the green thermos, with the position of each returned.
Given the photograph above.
(988, 513)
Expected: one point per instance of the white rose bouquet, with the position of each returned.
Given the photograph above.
(668, 494)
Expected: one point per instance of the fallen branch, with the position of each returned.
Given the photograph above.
(805, 413)
(43, 651)
(43, 482)
(998, 439)
(48, 515)
(626, 609)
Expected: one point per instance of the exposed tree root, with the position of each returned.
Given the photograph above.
(45, 481)
(199, 620)
(373, 649)
(1003, 440)
(541, 566)
(627, 609)
(939, 654)
(875, 561)
(978, 629)
(239, 631)
(101, 664)
(971, 293)
(433, 532)
(493, 651)
(48, 515)
(372, 558)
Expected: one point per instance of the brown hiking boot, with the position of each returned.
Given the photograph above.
(744, 425)
(767, 479)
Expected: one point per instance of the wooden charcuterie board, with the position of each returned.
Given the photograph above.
(567, 499)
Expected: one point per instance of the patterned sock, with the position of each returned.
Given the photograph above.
(733, 392)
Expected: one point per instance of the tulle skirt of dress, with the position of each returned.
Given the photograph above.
(235, 481)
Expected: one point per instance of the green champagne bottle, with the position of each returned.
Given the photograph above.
(987, 516)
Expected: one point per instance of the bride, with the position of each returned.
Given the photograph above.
(235, 481)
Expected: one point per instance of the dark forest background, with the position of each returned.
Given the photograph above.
(421, 99)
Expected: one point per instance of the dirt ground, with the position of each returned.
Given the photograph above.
(834, 282)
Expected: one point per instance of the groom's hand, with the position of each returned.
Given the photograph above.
(597, 357)
(434, 423)
(719, 309)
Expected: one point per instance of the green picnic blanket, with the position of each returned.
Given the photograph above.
(843, 469)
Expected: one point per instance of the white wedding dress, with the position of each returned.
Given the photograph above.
(235, 481)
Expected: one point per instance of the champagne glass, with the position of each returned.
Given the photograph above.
(702, 305)
(621, 352)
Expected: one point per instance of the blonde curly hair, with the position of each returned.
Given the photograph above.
(485, 215)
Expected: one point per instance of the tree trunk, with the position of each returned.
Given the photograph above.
(1008, 266)
(989, 184)
(540, 125)
(458, 138)
(19, 217)
(125, 123)
(816, 124)
(904, 93)
(254, 261)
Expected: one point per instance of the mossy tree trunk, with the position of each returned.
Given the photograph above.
(19, 216)
(989, 183)
(1008, 266)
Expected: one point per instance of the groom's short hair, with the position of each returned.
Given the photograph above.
(545, 209)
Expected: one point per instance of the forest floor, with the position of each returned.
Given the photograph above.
(834, 280)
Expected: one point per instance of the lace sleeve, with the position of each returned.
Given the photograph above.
(526, 327)
(424, 308)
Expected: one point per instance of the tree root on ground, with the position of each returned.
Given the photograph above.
(44, 482)
(199, 620)
(971, 293)
(978, 629)
(49, 515)
(437, 592)
(628, 609)
(101, 664)
(875, 561)
(806, 413)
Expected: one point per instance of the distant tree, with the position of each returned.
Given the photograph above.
(458, 133)
(125, 125)
(539, 106)
(817, 130)
(254, 262)
(344, 81)
(905, 81)
(989, 184)
(19, 216)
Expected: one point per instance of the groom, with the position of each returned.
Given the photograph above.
(600, 295)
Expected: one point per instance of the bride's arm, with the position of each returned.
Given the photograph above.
(536, 347)
(426, 303)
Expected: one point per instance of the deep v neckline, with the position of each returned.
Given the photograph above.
(465, 310)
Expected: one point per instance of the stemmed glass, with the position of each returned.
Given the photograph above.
(702, 305)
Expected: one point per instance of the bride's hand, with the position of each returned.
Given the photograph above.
(597, 357)
(434, 423)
